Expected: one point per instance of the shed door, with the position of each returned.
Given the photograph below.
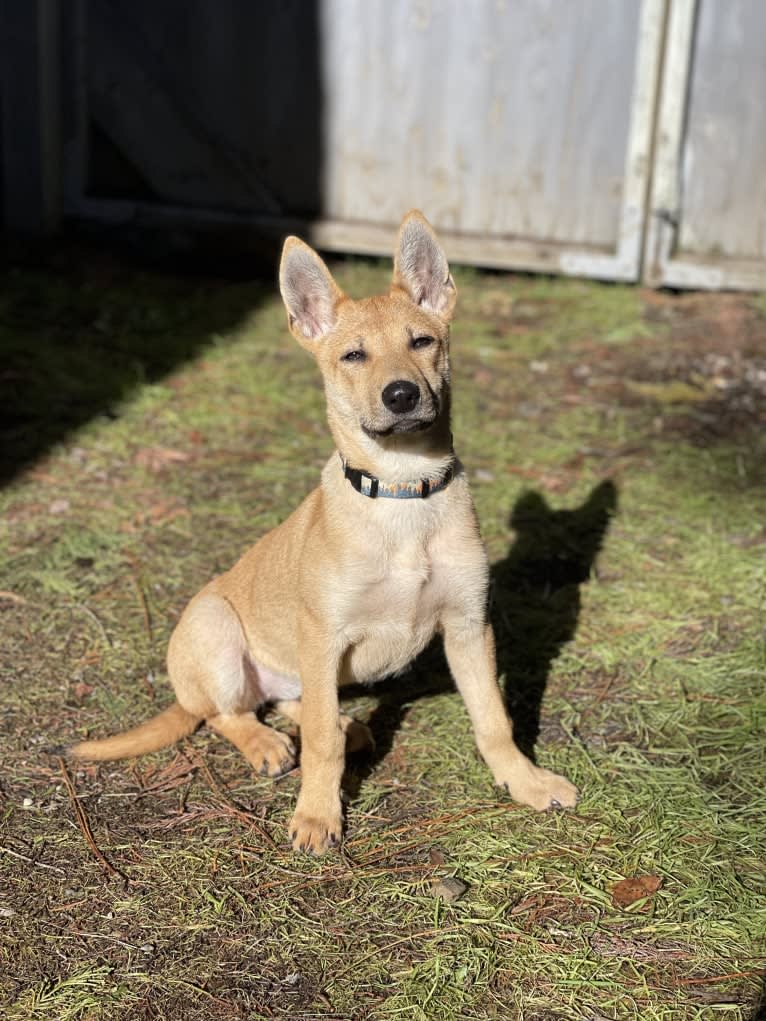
(523, 127)
(708, 209)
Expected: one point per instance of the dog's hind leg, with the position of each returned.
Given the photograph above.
(267, 750)
(358, 735)
(212, 672)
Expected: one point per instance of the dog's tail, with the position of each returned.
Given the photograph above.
(162, 730)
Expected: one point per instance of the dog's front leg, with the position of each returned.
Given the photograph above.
(317, 823)
(470, 649)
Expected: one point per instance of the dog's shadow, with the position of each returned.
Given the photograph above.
(535, 606)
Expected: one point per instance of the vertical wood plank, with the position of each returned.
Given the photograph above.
(31, 129)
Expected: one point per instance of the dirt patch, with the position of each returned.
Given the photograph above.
(705, 377)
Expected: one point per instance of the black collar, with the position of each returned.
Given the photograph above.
(417, 489)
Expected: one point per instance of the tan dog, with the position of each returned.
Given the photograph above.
(354, 584)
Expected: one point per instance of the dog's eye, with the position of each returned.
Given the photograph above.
(354, 356)
(417, 343)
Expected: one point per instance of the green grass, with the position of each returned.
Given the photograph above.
(172, 422)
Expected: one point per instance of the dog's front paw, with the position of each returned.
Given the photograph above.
(315, 834)
(540, 789)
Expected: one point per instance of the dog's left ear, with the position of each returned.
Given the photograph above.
(421, 268)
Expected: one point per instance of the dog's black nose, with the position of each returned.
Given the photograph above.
(401, 396)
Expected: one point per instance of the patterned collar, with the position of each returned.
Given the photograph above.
(418, 489)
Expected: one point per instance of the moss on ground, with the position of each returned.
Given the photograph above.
(616, 444)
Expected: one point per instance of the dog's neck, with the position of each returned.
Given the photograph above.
(400, 458)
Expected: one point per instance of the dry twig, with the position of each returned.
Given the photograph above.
(82, 821)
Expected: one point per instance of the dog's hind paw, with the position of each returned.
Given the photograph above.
(272, 753)
(358, 736)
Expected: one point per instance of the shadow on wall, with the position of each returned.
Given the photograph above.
(231, 105)
(88, 317)
(535, 610)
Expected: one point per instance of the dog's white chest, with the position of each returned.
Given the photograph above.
(391, 615)
(398, 584)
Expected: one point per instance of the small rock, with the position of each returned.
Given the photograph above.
(449, 888)
(7, 912)
(60, 506)
(27, 803)
(528, 409)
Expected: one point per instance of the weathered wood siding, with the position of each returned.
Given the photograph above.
(707, 214)
(612, 138)
(499, 118)
(724, 150)
(215, 104)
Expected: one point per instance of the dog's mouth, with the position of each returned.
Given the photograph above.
(403, 425)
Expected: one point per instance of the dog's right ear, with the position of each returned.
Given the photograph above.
(309, 292)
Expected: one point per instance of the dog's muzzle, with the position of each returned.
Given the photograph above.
(405, 410)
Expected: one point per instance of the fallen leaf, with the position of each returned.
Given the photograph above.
(436, 856)
(158, 514)
(628, 891)
(81, 690)
(90, 658)
(12, 597)
(156, 459)
(524, 905)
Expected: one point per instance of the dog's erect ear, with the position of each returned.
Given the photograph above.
(309, 292)
(421, 268)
